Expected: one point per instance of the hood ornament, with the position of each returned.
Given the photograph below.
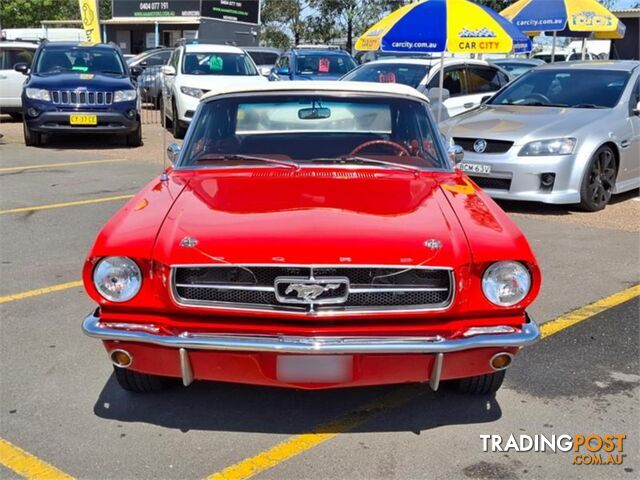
(433, 244)
(188, 242)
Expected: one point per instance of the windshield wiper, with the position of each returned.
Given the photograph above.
(587, 105)
(236, 157)
(110, 72)
(542, 104)
(362, 160)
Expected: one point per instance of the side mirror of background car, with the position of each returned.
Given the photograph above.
(168, 70)
(283, 71)
(265, 71)
(636, 111)
(485, 98)
(143, 64)
(434, 94)
(23, 68)
(456, 154)
(136, 71)
(173, 152)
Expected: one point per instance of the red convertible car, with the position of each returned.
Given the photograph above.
(312, 235)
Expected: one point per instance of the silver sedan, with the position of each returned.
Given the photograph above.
(565, 133)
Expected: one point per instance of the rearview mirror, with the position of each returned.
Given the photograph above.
(173, 152)
(168, 70)
(434, 94)
(456, 154)
(23, 68)
(313, 113)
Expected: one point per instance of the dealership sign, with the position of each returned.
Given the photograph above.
(167, 8)
(247, 11)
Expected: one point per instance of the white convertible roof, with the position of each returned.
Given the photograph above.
(319, 86)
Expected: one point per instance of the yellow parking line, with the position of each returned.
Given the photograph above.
(64, 164)
(588, 311)
(300, 443)
(36, 208)
(40, 291)
(306, 441)
(27, 465)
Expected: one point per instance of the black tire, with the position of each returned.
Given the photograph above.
(139, 382)
(134, 139)
(480, 385)
(31, 138)
(17, 116)
(599, 180)
(177, 129)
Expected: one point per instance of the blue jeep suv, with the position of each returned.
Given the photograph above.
(80, 88)
(312, 64)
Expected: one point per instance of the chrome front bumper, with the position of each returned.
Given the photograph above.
(528, 334)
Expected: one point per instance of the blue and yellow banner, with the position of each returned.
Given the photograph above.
(90, 20)
(458, 26)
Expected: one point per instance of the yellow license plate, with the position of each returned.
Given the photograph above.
(83, 119)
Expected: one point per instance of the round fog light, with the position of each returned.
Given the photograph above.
(500, 361)
(131, 113)
(120, 358)
(547, 179)
(32, 112)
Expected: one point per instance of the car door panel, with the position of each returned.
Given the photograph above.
(454, 82)
(11, 81)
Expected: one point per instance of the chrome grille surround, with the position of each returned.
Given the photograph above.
(80, 97)
(258, 293)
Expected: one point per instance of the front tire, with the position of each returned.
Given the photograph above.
(31, 138)
(599, 180)
(134, 139)
(139, 382)
(480, 385)
(16, 116)
(177, 129)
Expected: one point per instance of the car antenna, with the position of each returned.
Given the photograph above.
(164, 177)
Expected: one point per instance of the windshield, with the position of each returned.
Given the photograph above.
(213, 63)
(319, 64)
(312, 129)
(80, 59)
(515, 69)
(565, 88)
(546, 57)
(406, 74)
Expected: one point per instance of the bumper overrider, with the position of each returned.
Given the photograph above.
(253, 358)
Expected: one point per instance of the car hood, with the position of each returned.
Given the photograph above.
(73, 80)
(209, 82)
(520, 124)
(323, 216)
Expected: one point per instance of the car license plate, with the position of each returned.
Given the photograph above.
(83, 119)
(314, 368)
(474, 168)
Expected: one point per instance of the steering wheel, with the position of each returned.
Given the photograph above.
(396, 146)
(538, 96)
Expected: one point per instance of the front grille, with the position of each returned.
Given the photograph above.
(80, 97)
(357, 288)
(492, 183)
(493, 146)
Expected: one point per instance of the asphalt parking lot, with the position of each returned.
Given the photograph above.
(61, 411)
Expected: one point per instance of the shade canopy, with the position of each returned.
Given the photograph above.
(568, 16)
(435, 26)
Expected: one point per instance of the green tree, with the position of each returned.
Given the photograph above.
(29, 13)
(285, 16)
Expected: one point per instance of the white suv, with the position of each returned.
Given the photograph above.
(466, 81)
(192, 71)
(10, 80)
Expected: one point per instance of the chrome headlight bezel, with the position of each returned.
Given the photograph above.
(496, 280)
(112, 270)
(38, 94)
(124, 96)
(548, 147)
(192, 91)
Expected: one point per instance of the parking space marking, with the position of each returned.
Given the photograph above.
(27, 465)
(40, 291)
(36, 208)
(62, 164)
(576, 316)
(306, 441)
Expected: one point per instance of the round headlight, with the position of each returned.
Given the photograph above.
(506, 283)
(117, 279)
